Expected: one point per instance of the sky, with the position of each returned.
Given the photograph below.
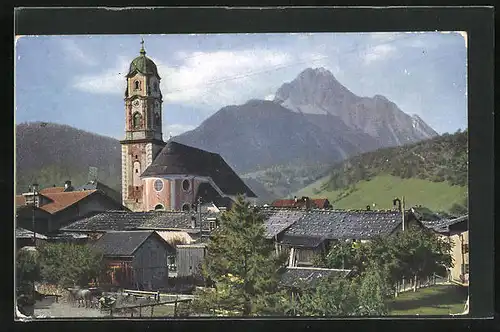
(79, 80)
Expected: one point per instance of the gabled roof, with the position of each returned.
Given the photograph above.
(63, 200)
(126, 220)
(443, 225)
(304, 277)
(319, 203)
(124, 243)
(179, 159)
(277, 221)
(341, 224)
(59, 201)
(22, 233)
(50, 190)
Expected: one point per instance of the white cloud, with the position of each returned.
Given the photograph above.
(269, 97)
(71, 49)
(175, 129)
(111, 81)
(218, 78)
(379, 52)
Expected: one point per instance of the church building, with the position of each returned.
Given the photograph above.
(166, 176)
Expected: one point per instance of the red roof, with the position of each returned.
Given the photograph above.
(318, 202)
(60, 200)
(52, 190)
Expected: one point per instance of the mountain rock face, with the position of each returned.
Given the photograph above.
(316, 91)
(314, 118)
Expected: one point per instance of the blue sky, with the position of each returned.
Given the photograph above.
(79, 80)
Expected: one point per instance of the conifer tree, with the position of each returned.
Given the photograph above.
(243, 265)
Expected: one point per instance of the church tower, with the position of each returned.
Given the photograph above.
(143, 127)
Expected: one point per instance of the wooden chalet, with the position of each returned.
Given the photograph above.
(137, 259)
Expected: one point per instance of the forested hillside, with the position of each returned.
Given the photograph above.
(431, 173)
(50, 154)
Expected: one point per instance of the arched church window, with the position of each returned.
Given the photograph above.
(137, 85)
(137, 120)
(186, 185)
(159, 207)
(137, 174)
(158, 185)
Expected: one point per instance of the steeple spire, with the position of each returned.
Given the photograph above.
(142, 51)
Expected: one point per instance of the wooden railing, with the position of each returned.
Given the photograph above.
(145, 305)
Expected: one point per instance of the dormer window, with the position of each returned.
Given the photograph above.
(137, 85)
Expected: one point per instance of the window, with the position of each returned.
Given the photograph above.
(186, 185)
(186, 207)
(136, 188)
(158, 185)
(136, 170)
(137, 85)
(465, 248)
(465, 268)
(137, 120)
(159, 207)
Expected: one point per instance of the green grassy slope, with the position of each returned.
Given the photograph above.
(381, 190)
(435, 300)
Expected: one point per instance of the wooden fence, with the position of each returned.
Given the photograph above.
(141, 308)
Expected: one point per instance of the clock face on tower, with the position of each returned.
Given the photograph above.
(136, 103)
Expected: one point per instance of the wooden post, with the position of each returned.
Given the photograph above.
(152, 308)
(111, 311)
(140, 310)
(175, 306)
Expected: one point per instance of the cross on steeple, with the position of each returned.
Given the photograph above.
(142, 47)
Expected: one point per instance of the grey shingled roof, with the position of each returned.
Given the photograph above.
(126, 220)
(176, 158)
(121, 243)
(299, 277)
(22, 233)
(442, 225)
(340, 224)
(278, 221)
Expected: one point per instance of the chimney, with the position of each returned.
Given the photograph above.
(67, 185)
(396, 204)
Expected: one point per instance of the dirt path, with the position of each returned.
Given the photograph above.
(64, 309)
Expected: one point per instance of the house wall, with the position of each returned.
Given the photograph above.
(459, 271)
(150, 264)
(24, 219)
(189, 260)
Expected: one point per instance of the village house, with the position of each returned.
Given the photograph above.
(456, 232)
(303, 202)
(306, 233)
(177, 228)
(56, 207)
(137, 259)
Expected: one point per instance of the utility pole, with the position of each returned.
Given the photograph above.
(199, 217)
(35, 193)
(403, 213)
